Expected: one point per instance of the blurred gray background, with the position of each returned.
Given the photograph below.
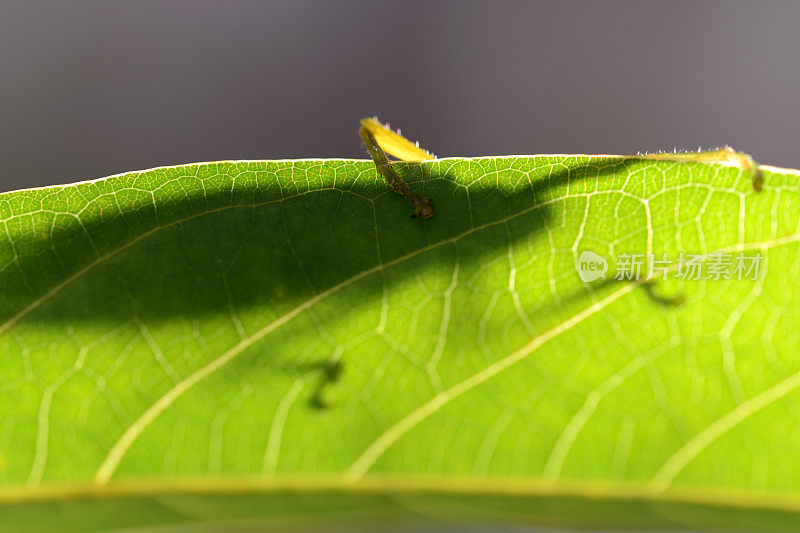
(92, 88)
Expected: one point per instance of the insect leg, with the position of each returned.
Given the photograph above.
(423, 208)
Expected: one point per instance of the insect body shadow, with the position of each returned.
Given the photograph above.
(223, 249)
(249, 244)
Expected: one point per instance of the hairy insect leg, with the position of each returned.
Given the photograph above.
(382, 163)
(722, 155)
(393, 143)
(423, 207)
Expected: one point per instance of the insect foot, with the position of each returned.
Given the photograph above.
(423, 207)
(758, 180)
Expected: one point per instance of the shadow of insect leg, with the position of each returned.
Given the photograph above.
(666, 301)
(331, 372)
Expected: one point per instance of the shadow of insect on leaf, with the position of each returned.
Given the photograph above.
(331, 373)
(323, 373)
(649, 286)
(244, 248)
(661, 299)
(262, 247)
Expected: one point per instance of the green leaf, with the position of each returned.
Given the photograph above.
(278, 342)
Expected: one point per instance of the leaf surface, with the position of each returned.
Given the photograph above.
(273, 340)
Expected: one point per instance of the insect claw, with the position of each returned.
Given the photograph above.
(423, 208)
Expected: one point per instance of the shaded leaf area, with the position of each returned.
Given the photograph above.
(275, 319)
